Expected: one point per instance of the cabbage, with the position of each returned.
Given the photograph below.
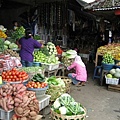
(5, 47)
(13, 46)
(7, 42)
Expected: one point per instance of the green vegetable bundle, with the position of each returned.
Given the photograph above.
(56, 87)
(18, 33)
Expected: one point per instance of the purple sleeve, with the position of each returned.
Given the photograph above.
(71, 66)
(37, 44)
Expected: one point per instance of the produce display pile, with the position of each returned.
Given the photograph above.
(108, 59)
(16, 97)
(14, 75)
(56, 87)
(2, 32)
(33, 70)
(7, 62)
(51, 48)
(114, 49)
(11, 53)
(10, 45)
(66, 105)
(18, 33)
(113, 73)
(41, 57)
(38, 81)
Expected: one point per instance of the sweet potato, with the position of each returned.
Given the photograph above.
(32, 118)
(4, 94)
(19, 86)
(22, 89)
(25, 98)
(1, 91)
(26, 112)
(28, 101)
(23, 118)
(10, 107)
(33, 113)
(17, 104)
(19, 96)
(19, 110)
(32, 108)
(4, 104)
(17, 100)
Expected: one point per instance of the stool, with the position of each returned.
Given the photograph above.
(96, 71)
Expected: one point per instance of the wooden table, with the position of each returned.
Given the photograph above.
(96, 59)
(61, 67)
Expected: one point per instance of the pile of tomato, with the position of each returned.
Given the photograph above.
(14, 75)
(32, 84)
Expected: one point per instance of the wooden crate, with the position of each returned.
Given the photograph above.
(115, 88)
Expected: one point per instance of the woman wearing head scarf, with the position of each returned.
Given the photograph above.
(80, 75)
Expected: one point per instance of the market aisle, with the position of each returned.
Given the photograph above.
(101, 104)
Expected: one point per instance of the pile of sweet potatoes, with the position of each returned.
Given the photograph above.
(28, 107)
(24, 103)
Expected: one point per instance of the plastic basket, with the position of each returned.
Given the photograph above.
(112, 81)
(39, 91)
(107, 66)
(50, 66)
(56, 116)
(35, 64)
(44, 102)
(6, 115)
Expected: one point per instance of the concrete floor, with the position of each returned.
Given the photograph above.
(100, 103)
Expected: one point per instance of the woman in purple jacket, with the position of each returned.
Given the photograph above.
(80, 75)
(27, 47)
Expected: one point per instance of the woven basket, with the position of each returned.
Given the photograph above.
(55, 92)
(56, 116)
(67, 82)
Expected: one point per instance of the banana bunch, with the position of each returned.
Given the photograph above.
(117, 56)
(2, 34)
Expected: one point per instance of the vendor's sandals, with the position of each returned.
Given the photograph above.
(80, 84)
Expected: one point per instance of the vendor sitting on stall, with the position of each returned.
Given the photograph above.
(80, 76)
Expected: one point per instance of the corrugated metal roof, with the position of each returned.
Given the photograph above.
(104, 5)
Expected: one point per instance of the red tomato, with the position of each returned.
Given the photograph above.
(3, 73)
(9, 73)
(14, 76)
(17, 79)
(11, 77)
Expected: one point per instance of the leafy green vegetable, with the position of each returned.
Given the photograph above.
(37, 37)
(18, 33)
